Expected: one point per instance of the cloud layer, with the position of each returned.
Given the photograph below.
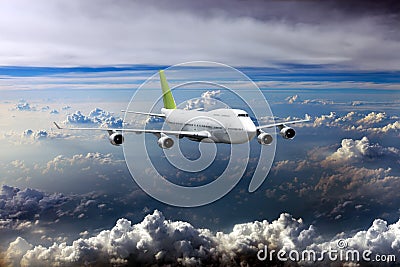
(96, 116)
(157, 241)
(19, 208)
(267, 33)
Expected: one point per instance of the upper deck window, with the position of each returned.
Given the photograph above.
(243, 115)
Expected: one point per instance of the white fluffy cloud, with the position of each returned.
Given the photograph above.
(380, 238)
(208, 99)
(358, 150)
(97, 116)
(157, 241)
(296, 99)
(292, 99)
(81, 162)
(24, 106)
(372, 118)
(30, 136)
(373, 122)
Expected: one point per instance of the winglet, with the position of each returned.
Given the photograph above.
(168, 99)
(58, 126)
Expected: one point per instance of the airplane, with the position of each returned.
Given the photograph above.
(230, 126)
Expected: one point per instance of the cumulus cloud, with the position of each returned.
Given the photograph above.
(373, 122)
(296, 99)
(45, 108)
(372, 118)
(28, 133)
(390, 127)
(379, 238)
(292, 99)
(30, 136)
(80, 161)
(318, 101)
(157, 241)
(17, 204)
(24, 106)
(208, 99)
(154, 119)
(99, 170)
(211, 94)
(96, 116)
(358, 150)
(357, 179)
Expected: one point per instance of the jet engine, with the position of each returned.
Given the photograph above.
(287, 132)
(264, 138)
(116, 139)
(165, 142)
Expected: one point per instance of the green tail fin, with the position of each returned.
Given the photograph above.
(169, 102)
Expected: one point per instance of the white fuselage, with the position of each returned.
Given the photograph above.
(232, 126)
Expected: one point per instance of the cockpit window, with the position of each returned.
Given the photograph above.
(243, 115)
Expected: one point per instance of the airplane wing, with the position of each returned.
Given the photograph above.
(281, 124)
(144, 113)
(194, 134)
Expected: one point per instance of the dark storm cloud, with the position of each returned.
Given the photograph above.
(306, 11)
(27, 204)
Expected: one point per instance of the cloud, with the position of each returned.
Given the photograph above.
(318, 102)
(379, 238)
(372, 118)
(296, 35)
(96, 116)
(29, 136)
(24, 106)
(28, 133)
(16, 250)
(17, 204)
(373, 122)
(157, 241)
(211, 94)
(78, 117)
(324, 119)
(42, 134)
(45, 108)
(356, 179)
(292, 99)
(154, 119)
(359, 150)
(80, 162)
(208, 99)
(390, 127)
(296, 99)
